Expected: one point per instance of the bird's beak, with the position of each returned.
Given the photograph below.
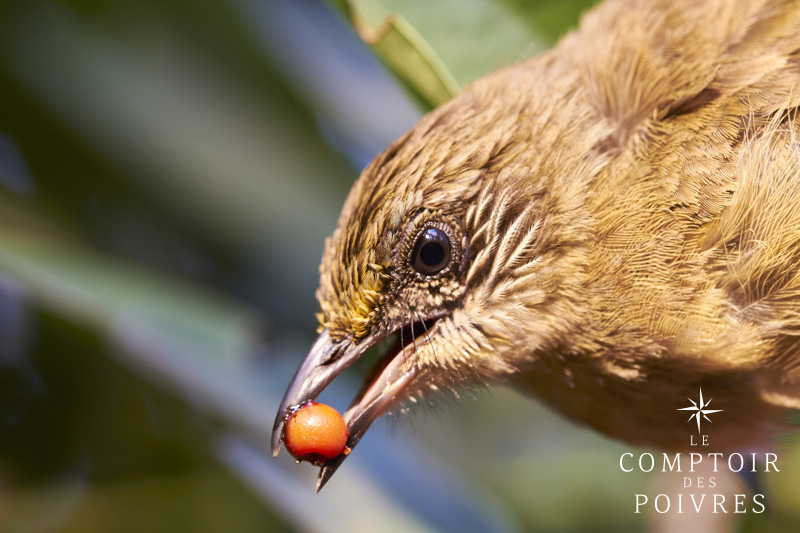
(326, 360)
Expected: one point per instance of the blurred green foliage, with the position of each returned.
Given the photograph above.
(168, 173)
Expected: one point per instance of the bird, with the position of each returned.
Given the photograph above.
(610, 226)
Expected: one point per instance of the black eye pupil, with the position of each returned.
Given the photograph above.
(431, 252)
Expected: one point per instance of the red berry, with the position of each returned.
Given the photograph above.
(316, 432)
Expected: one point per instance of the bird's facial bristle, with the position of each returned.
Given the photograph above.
(398, 341)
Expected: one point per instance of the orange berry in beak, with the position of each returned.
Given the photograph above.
(316, 432)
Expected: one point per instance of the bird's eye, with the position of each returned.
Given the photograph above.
(431, 252)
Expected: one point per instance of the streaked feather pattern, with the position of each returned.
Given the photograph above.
(631, 205)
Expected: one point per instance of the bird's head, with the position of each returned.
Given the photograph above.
(465, 241)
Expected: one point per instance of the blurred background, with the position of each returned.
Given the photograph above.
(169, 170)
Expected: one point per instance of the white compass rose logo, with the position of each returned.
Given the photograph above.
(700, 410)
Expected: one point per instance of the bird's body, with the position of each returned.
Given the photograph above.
(622, 225)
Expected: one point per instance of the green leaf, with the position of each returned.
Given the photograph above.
(406, 53)
(550, 19)
(435, 47)
(103, 294)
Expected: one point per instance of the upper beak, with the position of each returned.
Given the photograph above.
(326, 360)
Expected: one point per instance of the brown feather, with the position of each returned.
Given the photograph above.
(629, 208)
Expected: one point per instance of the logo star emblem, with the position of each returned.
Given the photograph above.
(700, 410)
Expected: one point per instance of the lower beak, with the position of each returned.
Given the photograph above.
(326, 360)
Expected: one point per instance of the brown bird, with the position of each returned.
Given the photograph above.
(611, 226)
